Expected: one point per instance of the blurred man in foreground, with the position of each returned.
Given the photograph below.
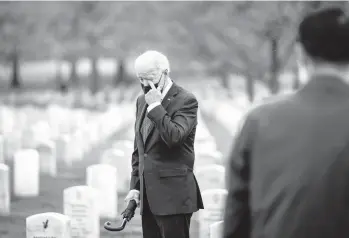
(289, 169)
(162, 163)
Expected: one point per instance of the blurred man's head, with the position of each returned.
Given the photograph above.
(152, 66)
(324, 40)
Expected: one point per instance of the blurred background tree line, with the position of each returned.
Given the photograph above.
(253, 39)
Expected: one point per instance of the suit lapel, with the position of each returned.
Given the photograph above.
(165, 103)
(140, 118)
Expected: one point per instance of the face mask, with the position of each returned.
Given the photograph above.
(146, 89)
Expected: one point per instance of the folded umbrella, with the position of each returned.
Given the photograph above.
(126, 215)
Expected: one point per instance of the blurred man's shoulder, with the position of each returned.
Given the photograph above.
(272, 102)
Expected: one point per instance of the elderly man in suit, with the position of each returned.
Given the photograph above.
(289, 169)
(162, 179)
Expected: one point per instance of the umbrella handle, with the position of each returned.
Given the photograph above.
(108, 226)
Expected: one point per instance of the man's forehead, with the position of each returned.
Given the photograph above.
(148, 75)
(146, 80)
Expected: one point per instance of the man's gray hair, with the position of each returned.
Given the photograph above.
(150, 63)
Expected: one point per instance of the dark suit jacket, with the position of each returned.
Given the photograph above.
(164, 162)
(289, 169)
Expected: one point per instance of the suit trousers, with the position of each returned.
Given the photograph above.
(169, 226)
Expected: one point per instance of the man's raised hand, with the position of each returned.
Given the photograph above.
(154, 95)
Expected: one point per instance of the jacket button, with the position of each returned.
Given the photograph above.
(145, 155)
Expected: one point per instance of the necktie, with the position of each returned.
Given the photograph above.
(145, 126)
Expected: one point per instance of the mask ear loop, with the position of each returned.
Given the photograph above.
(163, 81)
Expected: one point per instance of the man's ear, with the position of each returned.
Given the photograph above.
(166, 72)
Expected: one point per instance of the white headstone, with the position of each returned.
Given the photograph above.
(203, 158)
(4, 190)
(2, 149)
(26, 173)
(48, 225)
(130, 134)
(48, 161)
(210, 176)
(205, 147)
(124, 145)
(94, 132)
(103, 178)
(214, 203)
(80, 204)
(216, 230)
(28, 138)
(62, 142)
(229, 116)
(76, 146)
(202, 131)
(122, 161)
(42, 131)
(13, 142)
(7, 120)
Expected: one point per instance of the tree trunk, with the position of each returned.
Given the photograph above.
(224, 80)
(274, 70)
(15, 82)
(74, 77)
(296, 78)
(119, 77)
(223, 73)
(94, 76)
(62, 85)
(250, 90)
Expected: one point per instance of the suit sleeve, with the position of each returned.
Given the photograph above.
(175, 130)
(237, 212)
(135, 181)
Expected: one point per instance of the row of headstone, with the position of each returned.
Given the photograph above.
(28, 164)
(210, 177)
(68, 145)
(214, 203)
(100, 193)
(36, 139)
(82, 211)
(26, 127)
(83, 206)
(80, 218)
